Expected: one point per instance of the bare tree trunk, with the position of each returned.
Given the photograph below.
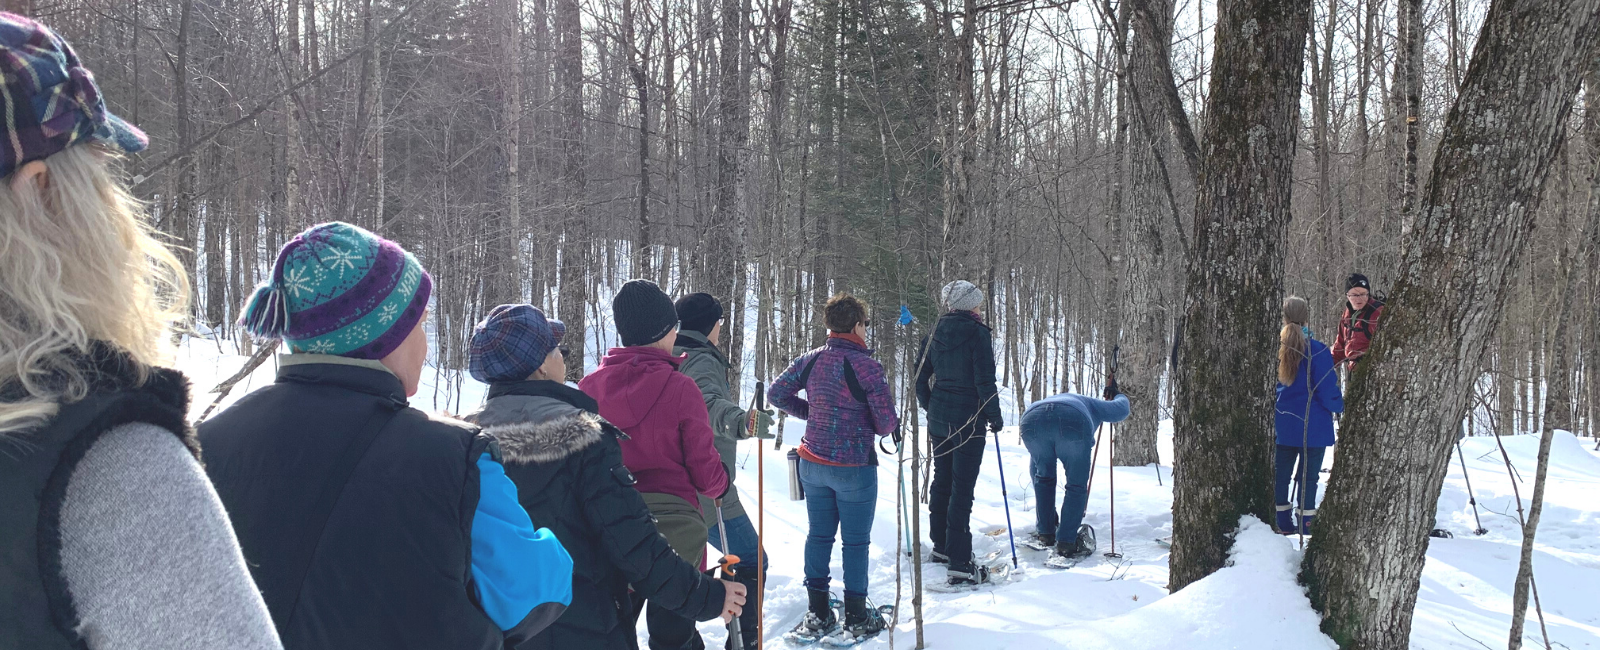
(1363, 568)
(726, 237)
(575, 236)
(1223, 414)
(183, 222)
(1144, 313)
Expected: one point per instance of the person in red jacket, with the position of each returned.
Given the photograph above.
(668, 448)
(1359, 322)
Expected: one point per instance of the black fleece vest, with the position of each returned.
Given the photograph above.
(391, 566)
(36, 609)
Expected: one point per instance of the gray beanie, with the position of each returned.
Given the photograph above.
(961, 295)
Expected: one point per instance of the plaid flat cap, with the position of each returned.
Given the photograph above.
(50, 100)
(512, 342)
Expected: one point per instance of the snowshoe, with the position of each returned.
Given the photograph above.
(814, 627)
(863, 622)
(1068, 556)
(1039, 542)
(938, 558)
(1440, 533)
(1164, 542)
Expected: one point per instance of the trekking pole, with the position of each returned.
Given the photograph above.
(1005, 500)
(761, 519)
(735, 634)
(1111, 460)
(1470, 499)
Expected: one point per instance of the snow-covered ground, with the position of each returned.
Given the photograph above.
(1465, 600)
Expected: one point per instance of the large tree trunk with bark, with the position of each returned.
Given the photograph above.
(1364, 565)
(574, 232)
(1145, 308)
(1223, 415)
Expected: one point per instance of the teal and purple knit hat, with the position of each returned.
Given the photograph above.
(338, 289)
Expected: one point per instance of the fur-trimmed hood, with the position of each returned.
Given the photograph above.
(538, 429)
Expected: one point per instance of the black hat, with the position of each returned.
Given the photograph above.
(699, 312)
(643, 313)
(1357, 280)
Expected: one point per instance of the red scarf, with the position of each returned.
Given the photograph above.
(848, 336)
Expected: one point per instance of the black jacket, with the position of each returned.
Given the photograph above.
(956, 381)
(36, 608)
(567, 465)
(391, 568)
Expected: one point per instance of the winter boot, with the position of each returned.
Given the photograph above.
(1045, 540)
(750, 617)
(938, 558)
(971, 575)
(1285, 519)
(819, 621)
(1081, 548)
(1306, 517)
(861, 620)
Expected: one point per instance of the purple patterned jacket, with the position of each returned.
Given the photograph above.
(839, 428)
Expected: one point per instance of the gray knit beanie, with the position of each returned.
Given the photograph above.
(961, 295)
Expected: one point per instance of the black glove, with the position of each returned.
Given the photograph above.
(996, 425)
(1111, 392)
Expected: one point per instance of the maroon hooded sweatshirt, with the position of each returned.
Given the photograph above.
(669, 447)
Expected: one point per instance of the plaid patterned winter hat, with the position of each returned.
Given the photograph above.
(51, 101)
(338, 289)
(512, 342)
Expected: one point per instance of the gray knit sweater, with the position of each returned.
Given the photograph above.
(149, 555)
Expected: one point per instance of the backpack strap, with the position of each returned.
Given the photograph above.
(332, 487)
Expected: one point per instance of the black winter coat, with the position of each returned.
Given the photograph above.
(391, 567)
(956, 383)
(567, 464)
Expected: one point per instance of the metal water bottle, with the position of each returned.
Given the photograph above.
(797, 492)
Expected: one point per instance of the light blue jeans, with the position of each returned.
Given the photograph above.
(839, 500)
(1059, 433)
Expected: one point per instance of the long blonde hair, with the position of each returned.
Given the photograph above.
(1292, 338)
(78, 264)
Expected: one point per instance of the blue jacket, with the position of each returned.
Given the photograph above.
(1098, 411)
(1292, 407)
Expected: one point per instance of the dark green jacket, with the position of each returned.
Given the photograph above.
(708, 368)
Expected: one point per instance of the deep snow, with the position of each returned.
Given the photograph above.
(1464, 600)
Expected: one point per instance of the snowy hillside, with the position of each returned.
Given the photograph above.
(1104, 604)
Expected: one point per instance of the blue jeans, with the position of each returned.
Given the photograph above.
(842, 500)
(1284, 466)
(1059, 433)
(742, 537)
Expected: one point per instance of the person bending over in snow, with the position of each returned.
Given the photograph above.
(1061, 429)
(368, 523)
(567, 464)
(669, 446)
(1308, 396)
(847, 406)
(700, 320)
(1359, 323)
(956, 386)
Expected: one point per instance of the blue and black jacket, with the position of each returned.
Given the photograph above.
(369, 524)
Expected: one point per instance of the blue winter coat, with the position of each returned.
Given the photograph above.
(1292, 407)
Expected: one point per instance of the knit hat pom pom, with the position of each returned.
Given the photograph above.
(266, 316)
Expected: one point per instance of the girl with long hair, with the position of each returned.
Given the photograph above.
(1308, 396)
(110, 534)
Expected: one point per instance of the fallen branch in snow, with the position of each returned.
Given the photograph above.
(260, 357)
(1485, 645)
